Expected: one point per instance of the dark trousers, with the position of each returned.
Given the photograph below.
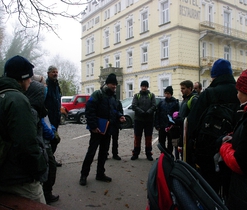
(163, 136)
(115, 143)
(103, 141)
(139, 127)
(47, 186)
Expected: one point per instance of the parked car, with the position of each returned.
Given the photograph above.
(77, 115)
(64, 114)
(129, 113)
(77, 102)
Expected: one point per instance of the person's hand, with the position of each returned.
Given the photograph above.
(57, 137)
(175, 115)
(122, 119)
(96, 130)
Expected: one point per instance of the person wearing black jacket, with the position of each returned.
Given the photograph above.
(224, 90)
(101, 104)
(166, 107)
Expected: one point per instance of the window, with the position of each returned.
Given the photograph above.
(129, 58)
(241, 20)
(144, 21)
(129, 91)
(88, 67)
(210, 15)
(90, 45)
(164, 9)
(144, 54)
(107, 38)
(117, 61)
(227, 53)
(107, 14)
(227, 23)
(92, 69)
(204, 49)
(165, 49)
(106, 62)
(117, 33)
(241, 52)
(129, 28)
(164, 84)
(129, 2)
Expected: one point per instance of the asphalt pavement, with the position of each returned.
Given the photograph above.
(128, 189)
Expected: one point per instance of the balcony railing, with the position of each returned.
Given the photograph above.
(208, 62)
(226, 30)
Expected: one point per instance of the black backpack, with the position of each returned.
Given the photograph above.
(174, 184)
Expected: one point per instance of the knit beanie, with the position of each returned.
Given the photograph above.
(144, 83)
(169, 89)
(18, 68)
(241, 84)
(220, 67)
(112, 79)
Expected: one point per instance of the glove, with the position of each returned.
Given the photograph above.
(57, 138)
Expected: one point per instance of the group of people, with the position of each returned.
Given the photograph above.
(30, 116)
(29, 120)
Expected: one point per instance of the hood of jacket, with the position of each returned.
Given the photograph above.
(36, 96)
(9, 83)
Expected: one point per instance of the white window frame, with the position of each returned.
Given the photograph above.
(227, 22)
(117, 61)
(204, 49)
(129, 58)
(165, 48)
(144, 54)
(92, 69)
(107, 40)
(130, 28)
(92, 44)
(144, 21)
(87, 69)
(210, 15)
(129, 89)
(117, 33)
(106, 62)
(227, 53)
(164, 11)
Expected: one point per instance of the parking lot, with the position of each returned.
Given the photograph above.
(128, 188)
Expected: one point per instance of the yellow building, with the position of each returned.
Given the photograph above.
(161, 41)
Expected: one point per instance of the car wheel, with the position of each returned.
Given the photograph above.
(82, 119)
(127, 123)
(62, 119)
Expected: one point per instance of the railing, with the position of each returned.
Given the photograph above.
(207, 25)
(209, 61)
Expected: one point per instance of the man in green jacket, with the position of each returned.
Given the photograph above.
(22, 162)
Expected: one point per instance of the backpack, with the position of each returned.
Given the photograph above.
(217, 119)
(175, 185)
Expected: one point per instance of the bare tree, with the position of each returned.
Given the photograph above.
(40, 14)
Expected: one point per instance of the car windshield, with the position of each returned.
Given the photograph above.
(126, 102)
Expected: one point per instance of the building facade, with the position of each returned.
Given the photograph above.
(161, 41)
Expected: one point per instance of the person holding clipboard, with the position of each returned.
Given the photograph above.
(101, 109)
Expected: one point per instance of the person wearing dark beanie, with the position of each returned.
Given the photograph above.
(22, 159)
(166, 107)
(233, 151)
(169, 89)
(144, 105)
(222, 90)
(102, 104)
(221, 67)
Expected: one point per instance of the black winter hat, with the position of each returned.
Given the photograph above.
(112, 79)
(169, 89)
(18, 68)
(144, 83)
